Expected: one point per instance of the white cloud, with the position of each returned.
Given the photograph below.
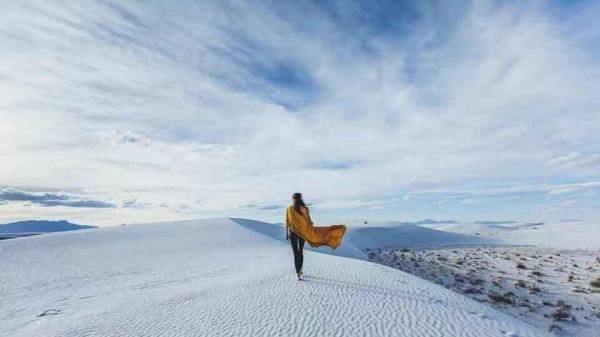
(174, 103)
(575, 160)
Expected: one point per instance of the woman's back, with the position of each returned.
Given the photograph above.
(301, 224)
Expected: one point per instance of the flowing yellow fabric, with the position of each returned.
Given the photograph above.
(302, 225)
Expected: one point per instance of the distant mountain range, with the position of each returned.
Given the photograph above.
(433, 222)
(506, 222)
(35, 227)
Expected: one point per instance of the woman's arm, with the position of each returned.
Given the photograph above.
(287, 224)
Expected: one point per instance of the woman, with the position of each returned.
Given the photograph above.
(299, 228)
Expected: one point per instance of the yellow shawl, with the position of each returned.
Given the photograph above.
(302, 225)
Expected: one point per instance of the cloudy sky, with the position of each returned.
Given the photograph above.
(136, 111)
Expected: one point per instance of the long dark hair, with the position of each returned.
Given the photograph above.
(298, 203)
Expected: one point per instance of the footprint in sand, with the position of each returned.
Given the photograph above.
(481, 315)
(49, 312)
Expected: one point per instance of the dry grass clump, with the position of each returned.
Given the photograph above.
(563, 311)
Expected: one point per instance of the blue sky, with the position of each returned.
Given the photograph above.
(120, 112)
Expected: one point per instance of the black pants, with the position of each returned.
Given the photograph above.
(297, 246)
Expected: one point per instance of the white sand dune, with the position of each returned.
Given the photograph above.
(564, 235)
(557, 235)
(392, 235)
(383, 235)
(471, 228)
(219, 277)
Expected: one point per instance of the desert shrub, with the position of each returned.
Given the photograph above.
(563, 311)
(521, 266)
(535, 290)
(595, 283)
(536, 273)
(476, 281)
(506, 298)
(472, 291)
(555, 328)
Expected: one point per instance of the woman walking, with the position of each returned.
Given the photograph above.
(299, 228)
